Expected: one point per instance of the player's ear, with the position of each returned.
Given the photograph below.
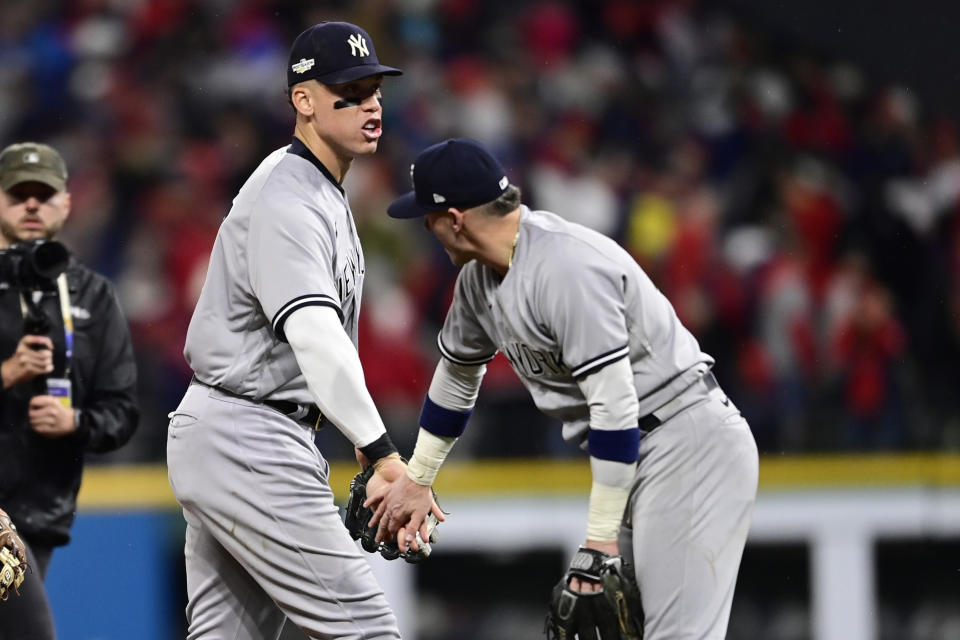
(456, 218)
(301, 97)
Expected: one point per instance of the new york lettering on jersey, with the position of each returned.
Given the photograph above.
(530, 362)
(350, 271)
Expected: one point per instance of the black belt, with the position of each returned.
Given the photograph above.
(650, 421)
(309, 414)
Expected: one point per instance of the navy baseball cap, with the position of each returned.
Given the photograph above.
(457, 173)
(332, 53)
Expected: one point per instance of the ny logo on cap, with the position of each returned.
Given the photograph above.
(358, 46)
(303, 65)
(31, 157)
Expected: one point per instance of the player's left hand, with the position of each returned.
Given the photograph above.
(49, 418)
(611, 548)
(612, 612)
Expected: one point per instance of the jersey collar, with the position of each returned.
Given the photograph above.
(297, 148)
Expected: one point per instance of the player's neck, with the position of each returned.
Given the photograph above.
(497, 251)
(336, 165)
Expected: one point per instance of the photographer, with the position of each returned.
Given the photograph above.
(68, 372)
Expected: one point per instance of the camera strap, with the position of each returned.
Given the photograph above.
(64, 295)
(67, 323)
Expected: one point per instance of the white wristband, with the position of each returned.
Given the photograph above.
(428, 454)
(606, 511)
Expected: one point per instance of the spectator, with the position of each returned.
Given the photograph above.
(69, 377)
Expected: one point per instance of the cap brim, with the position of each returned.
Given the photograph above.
(406, 206)
(14, 178)
(358, 72)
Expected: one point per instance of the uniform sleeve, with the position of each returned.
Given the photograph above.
(581, 299)
(462, 339)
(614, 434)
(291, 247)
(332, 369)
(583, 302)
(110, 413)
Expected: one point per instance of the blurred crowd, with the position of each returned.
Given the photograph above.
(802, 218)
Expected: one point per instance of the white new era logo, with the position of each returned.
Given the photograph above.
(438, 198)
(303, 66)
(504, 182)
(31, 157)
(358, 46)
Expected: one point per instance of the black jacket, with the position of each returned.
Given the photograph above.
(40, 477)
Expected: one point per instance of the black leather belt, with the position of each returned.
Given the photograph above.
(650, 421)
(309, 414)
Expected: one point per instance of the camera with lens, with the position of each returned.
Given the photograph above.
(33, 265)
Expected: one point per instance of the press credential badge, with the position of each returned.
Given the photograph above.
(61, 389)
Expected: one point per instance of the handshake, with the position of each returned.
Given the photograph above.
(357, 521)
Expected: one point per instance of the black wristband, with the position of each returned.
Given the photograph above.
(379, 448)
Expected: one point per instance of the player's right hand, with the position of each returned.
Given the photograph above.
(386, 470)
(33, 357)
(400, 508)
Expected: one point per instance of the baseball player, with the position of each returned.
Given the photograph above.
(599, 347)
(272, 343)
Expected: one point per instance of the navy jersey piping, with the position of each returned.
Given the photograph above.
(462, 361)
(309, 300)
(297, 148)
(595, 364)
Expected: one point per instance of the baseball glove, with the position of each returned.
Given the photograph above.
(613, 613)
(357, 519)
(13, 558)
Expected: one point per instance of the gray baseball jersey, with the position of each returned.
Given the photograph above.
(288, 242)
(572, 301)
(264, 541)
